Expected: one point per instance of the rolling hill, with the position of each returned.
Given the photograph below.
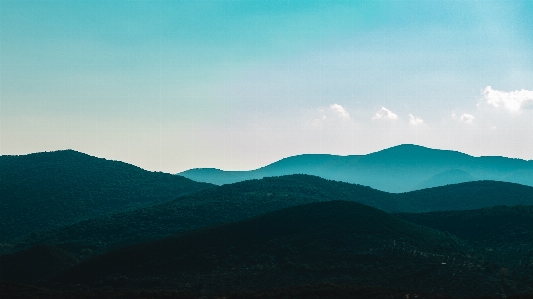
(241, 200)
(466, 196)
(216, 205)
(448, 177)
(45, 190)
(336, 241)
(503, 234)
(502, 231)
(398, 169)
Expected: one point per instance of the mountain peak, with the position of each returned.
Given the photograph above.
(408, 148)
(413, 152)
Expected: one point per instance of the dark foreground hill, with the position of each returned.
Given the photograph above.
(398, 169)
(340, 242)
(298, 248)
(251, 198)
(315, 291)
(503, 234)
(34, 264)
(45, 190)
(503, 231)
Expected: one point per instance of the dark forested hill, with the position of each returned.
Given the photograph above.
(332, 241)
(457, 253)
(211, 206)
(503, 234)
(32, 265)
(44, 190)
(251, 198)
(504, 231)
(398, 169)
(466, 196)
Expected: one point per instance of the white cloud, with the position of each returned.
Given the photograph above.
(415, 120)
(385, 113)
(340, 111)
(512, 101)
(467, 118)
(331, 115)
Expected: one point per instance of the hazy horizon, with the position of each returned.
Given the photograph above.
(277, 160)
(236, 85)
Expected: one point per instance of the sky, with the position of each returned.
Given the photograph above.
(236, 85)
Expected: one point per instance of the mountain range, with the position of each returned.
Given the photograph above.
(83, 227)
(397, 169)
(234, 202)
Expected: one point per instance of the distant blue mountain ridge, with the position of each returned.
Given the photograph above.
(397, 169)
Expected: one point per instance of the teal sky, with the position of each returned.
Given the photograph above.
(172, 85)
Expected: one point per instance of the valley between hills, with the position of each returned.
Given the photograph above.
(405, 222)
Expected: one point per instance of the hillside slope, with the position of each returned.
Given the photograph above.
(251, 198)
(222, 204)
(448, 177)
(503, 231)
(35, 264)
(466, 196)
(337, 241)
(45, 190)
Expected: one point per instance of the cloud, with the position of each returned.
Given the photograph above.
(415, 120)
(335, 113)
(385, 113)
(512, 101)
(340, 111)
(467, 118)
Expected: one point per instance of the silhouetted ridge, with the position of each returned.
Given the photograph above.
(225, 203)
(251, 198)
(44, 190)
(401, 168)
(416, 153)
(495, 226)
(308, 160)
(468, 195)
(306, 237)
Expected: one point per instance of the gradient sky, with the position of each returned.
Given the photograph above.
(172, 85)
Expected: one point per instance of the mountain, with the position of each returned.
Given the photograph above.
(503, 234)
(466, 196)
(216, 205)
(336, 241)
(448, 177)
(397, 169)
(241, 200)
(507, 229)
(45, 190)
